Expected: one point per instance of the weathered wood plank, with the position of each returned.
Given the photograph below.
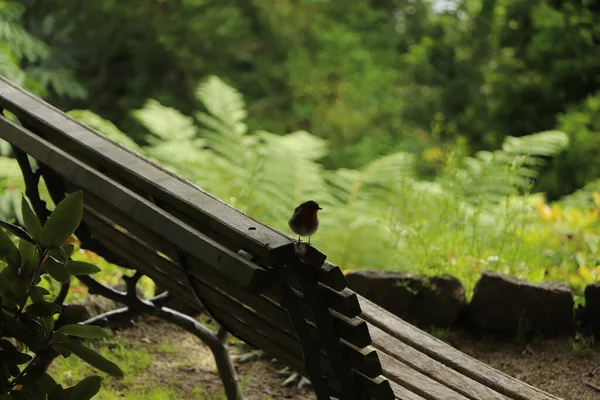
(306, 276)
(426, 365)
(165, 186)
(416, 382)
(125, 222)
(157, 275)
(449, 356)
(150, 262)
(221, 259)
(332, 276)
(345, 302)
(402, 393)
(378, 388)
(365, 360)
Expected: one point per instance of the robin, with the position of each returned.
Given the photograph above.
(304, 221)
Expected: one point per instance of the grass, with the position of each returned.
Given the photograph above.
(131, 357)
(139, 362)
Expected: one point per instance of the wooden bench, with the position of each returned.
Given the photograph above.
(254, 280)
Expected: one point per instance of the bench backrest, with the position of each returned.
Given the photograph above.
(253, 279)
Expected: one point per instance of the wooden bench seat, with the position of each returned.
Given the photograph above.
(253, 279)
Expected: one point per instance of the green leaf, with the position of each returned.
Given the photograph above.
(57, 270)
(17, 231)
(86, 389)
(19, 288)
(67, 250)
(59, 338)
(46, 309)
(58, 393)
(29, 266)
(63, 253)
(48, 322)
(27, 251)
(94, 359)
(21, 332)
(84, 331)
(82, 268)
(32, 223)
(62, 349)
(8, 250)
(63, 221)
(40, 291)
(33, 388)
(48, 383)
(14, 356)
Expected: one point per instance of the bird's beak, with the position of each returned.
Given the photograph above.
(320, 208)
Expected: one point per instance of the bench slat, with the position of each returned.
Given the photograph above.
(416, 382)
(403, 393)
(433, 369)
(448, 355)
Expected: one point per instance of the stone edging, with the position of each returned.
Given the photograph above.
(500, 303)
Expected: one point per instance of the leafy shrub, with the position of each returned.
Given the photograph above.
(28, 328)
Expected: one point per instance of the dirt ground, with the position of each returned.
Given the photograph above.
(189, 364)
(556, 366)
(552, 365)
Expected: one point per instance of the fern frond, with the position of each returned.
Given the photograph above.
(61, 80)
(377, 179)
(17, 39)
(104, 126)
(224, 102)
(548, 144)
(165, 123)
(512, 169)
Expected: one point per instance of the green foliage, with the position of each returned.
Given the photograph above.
(580, 165)
(476, 215)
(370, 78)
(27, 318)
(28, 61)
(11, 186)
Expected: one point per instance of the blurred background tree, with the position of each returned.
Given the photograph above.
(370, 77)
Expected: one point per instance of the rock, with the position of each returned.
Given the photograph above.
(505, 304)
(86, 308)
(592, 305)
(424, 301)
(93, 305)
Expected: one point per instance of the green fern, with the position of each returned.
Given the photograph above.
(511, 170)
(18, 41)
(108, 128)
(19, 48)
(380, 216)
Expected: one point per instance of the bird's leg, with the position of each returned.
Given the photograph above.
(309, 240)
(299, 239)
